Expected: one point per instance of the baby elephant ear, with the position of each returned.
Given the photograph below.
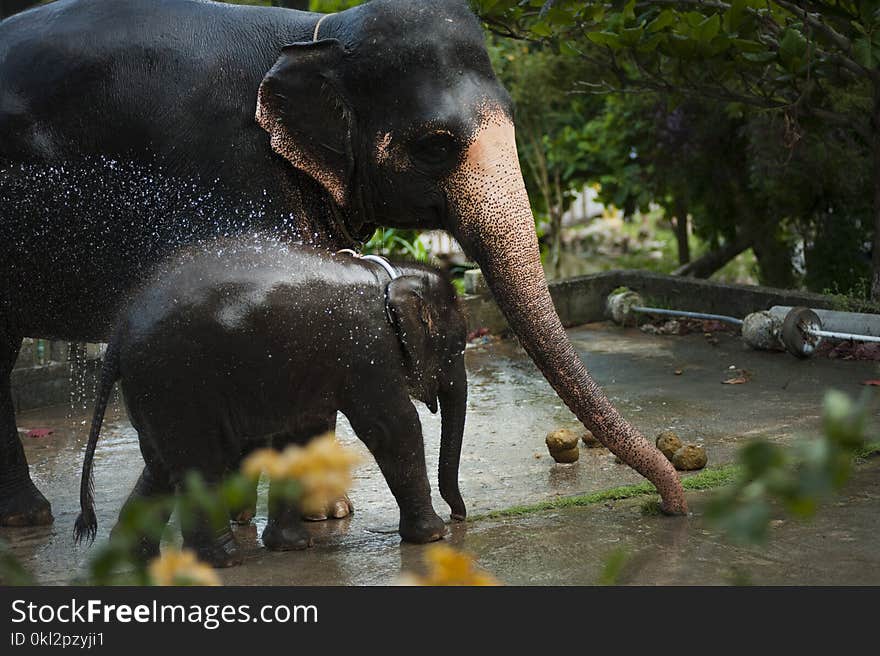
(414, 320)
(303, 107)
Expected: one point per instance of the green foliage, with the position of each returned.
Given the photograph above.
(775, 46)
(684, 121)
(394, 241)
(332, 6)
(651, 508)
(799, 478)
(11, 571)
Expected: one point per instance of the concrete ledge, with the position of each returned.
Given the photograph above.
(582, 299)
(52, 384)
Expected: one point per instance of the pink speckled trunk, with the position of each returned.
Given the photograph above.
(495, 226)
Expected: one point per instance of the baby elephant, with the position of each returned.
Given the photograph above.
(249, 342)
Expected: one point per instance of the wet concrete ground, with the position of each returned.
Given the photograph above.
(505, 463)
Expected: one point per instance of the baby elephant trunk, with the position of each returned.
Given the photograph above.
(453, 408)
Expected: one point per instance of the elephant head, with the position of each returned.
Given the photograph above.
(432, 331)
(395, 110)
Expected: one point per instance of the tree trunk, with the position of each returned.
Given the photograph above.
(875, 255)
(705, 266)
(681, 234)
(556, 227)
(536, 160)
(774, 258)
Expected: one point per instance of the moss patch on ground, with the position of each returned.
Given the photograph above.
(705, 480)
(869, 451)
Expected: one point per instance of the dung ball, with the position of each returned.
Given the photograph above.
(561, 440)
(590, 440)
(668, 442)
(690, 457)
(567, 456)
(562, 445)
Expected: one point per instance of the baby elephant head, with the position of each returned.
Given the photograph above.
(432, 331)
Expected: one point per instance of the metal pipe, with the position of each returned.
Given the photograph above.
(684, 313)
(804, 329)
(845, 336)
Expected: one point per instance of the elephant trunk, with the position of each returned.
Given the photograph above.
(453, 408)
(494, 224)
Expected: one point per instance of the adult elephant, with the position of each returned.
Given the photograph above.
(127, 128)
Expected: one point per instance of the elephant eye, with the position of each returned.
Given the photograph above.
(435, 150)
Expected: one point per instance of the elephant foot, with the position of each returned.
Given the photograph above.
(675, 509)
(146, 549)
(143, 550)
(420, 530)
(220, 553)
(286, 538)
(341, 507)
(25, 506)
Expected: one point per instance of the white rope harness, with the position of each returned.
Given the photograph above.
(378, 259)
(385, 264)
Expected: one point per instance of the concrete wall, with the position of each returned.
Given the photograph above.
(52, 373)
(582, 299)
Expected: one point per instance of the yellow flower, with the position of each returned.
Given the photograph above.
(446, 566)
(322, 469)
(262, 460)
(176, 567)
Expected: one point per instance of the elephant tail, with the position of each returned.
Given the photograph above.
(86, 526)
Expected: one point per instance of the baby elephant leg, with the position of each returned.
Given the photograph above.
(151, 485)
(213, 544)
(393, 433)
(244, 513)
(285, 530)
(208, 532)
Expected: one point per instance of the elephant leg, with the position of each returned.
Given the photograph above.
(285, 530)
(152, 484)
(21, 503)
(393, 433)
(212, 542)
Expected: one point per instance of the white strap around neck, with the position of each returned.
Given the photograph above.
(378, 259)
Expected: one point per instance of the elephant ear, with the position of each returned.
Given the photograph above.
(417, 326)
(303, 107)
